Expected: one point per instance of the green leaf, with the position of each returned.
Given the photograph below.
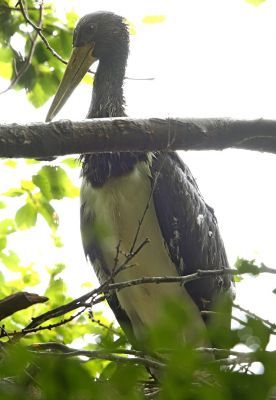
(56, 291)
(57, 269)
(5, 70)
(11, 261)
(27, 185)
(26, 216)
(30, 161)
(72, 19)
(54, 183)
(48, 213)
(153, 19)
(7, 226)
(3, 242)
(57, 241)
(246, 266)
(2, 205)
(14, 192)
(260, 333)
(6, 54)
(37, 96)
(70, 162)
(31, 278)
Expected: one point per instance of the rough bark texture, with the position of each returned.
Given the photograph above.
(18, 301)
(126, 134)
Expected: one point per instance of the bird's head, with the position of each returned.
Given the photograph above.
(105, 32)
(99, 36)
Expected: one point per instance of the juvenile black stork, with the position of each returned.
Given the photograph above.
(117, 188)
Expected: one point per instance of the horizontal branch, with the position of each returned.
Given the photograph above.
(85, 300)
(57, 349)
(19, 301)
(126, 134)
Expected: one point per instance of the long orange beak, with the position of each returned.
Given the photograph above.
(80, 61)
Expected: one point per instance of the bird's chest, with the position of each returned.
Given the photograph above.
(123, 218)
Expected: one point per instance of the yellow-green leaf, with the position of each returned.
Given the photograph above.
(153, 19)
(26, 216)
(255, 3)
(10, 163)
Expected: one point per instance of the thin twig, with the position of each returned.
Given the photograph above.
(271, 325)
(137, 357)
(38, 30)
(18, 334)
(80, 302)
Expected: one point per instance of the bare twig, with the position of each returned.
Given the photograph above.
(264, 268)
(80, 302)
(112, 355)
(83, 301)
(38, 29)
(271, 325)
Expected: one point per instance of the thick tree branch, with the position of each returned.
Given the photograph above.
(126, 134)
(19, 301)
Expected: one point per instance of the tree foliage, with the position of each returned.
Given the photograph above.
(74, 351)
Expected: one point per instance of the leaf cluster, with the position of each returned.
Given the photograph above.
(43, 71)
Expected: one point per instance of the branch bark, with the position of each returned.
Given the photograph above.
(19, 301)
(127, 134)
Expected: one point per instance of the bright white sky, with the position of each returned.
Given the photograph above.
(209, 58)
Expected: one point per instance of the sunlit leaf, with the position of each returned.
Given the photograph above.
(153, 19)
(45, 209)
(11, 260)
(11, 163)
(14, 192)
(70, 162)
(26, 216)
(255, 2)
(54, 183)
(7, 226)
(72, 19)
(3, 242)
(5, 70)
(27, 185)
(88, 79)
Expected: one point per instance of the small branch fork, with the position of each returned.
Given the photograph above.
(98, 295)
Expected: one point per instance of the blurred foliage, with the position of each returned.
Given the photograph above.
(27, 374)
(153, 19)
(255, 2)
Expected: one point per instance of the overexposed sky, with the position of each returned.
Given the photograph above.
(210, 58)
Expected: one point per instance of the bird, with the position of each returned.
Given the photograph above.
(132, 198)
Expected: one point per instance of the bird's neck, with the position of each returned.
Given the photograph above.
(108, 101)
(108, 97)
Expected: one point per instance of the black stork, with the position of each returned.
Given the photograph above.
(118, 188)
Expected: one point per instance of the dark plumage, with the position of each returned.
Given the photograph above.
(118, 187)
